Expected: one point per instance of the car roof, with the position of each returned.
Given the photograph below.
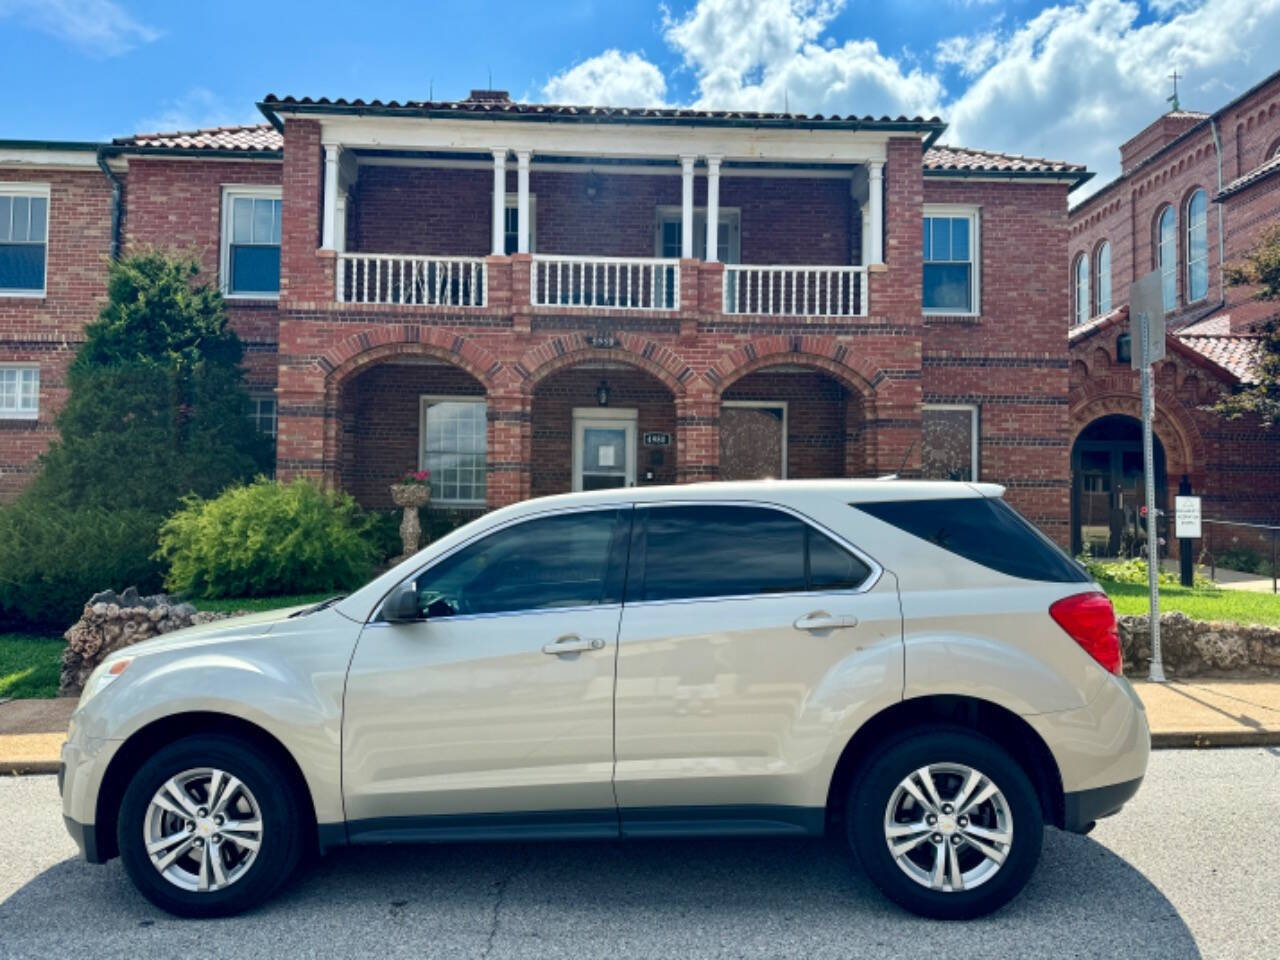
(848, 491)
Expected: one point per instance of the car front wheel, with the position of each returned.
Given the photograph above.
(945, 823)
(208, 827)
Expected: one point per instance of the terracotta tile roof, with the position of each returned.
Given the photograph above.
(495, 102)
(1233, 352)
(1260, 172)
(255, 138)
(969, 160)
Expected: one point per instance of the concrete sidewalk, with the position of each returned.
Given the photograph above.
(1183, 713)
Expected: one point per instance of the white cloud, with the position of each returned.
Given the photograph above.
(101, 28)
(613, 78)
(196, 109)
(1070, 83)
(767, 54)
(1075, 82)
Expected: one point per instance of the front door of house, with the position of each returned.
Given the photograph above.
(604, 448)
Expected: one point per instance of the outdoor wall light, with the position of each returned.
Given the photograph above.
(602, 393)
(593, 185)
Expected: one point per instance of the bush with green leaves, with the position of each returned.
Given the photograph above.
(52, 559)
(267, 538)
(1133, 572)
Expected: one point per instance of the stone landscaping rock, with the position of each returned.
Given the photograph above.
(1202, 648)
(113, 620)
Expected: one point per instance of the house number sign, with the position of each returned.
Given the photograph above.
(604, 341)
(657, 439)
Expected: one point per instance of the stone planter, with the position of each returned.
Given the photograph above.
(410, 496)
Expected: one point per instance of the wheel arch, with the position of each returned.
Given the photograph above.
(998, 723)
(158, 734)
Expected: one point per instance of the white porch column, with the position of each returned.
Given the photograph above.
(686, 206)
(874, 249)
(713, 209)
(522, 200)
(499, 202)
(332, 157)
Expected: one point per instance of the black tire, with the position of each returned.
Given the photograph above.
(874, 786)
(281, 817)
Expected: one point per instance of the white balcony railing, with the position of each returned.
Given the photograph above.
(619, 283)
(418, 281)
(795, 291)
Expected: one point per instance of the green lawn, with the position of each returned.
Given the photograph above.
(1238, 605)
(29, 665)
(254, 604)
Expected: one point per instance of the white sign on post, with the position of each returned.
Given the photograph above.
(1186, 517)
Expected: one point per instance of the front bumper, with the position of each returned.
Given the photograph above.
(80, 774)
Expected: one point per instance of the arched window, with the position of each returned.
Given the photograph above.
(1167, 256)
(1197, 247)
(1102, 276)
(1081, 273)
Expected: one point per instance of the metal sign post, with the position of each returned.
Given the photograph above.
(1146, 312)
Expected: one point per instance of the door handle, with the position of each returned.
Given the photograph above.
(821, 620)
(573, 644)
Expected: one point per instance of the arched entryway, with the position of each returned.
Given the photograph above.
(1108, 487)
(601, 424)
(790, 420)
(410, 412)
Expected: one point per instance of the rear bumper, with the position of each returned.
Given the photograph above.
(1081, 808)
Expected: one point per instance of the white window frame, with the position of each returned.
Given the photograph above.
(257, 397)
(424, 403)
(974, 445)
(1098, 278)
(974, 214)
(767, 405)
(230, 192)
(628, 416)
(513, 203)
(732, 216)
(1204, 226)
(1081, 269)
(21, 189)
(18, 413)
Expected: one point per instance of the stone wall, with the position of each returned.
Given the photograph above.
(114, 620)
(1200, 647)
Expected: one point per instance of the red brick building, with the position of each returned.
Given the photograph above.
(1195, 190)
(528, 299)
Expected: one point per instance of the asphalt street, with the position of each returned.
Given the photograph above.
(1188, 869)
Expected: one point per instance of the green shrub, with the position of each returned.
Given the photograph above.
(1134, 573)
(267, 538)
(52, 559)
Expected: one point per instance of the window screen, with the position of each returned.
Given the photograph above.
(948, 264)
(985, 530)
(254, 250)
(24, 221)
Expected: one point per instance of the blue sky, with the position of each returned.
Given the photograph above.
(1066, 80)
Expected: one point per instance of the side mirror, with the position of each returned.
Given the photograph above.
(401, 605)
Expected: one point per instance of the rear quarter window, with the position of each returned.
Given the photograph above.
(985, 530)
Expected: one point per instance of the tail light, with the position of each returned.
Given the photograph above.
(1090, 621)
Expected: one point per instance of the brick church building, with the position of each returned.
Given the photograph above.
(527, 299)
(1195, 190)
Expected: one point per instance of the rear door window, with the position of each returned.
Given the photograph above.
(717, 550)
(985, 530)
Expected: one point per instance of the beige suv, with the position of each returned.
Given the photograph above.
(910, 665)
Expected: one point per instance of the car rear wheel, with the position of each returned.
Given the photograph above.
(945, 823)
(208, 827)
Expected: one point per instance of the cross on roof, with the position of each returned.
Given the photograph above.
(1175, 76)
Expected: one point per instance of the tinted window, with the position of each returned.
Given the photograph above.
(719, 551)
(985, 530)
(560, 561)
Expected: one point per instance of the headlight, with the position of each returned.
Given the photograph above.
(102, 678)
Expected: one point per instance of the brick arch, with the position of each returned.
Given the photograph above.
(821, 353)
(361, 350)
(653, 358)
(1183, 446)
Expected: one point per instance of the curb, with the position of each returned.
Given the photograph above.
(1175, 740)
